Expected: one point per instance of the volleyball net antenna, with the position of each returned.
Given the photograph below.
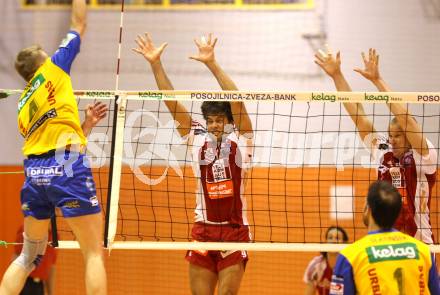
(309, 168)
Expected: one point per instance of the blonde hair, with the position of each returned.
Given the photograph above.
(28, 61)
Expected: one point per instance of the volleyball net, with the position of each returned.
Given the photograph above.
(309, 168)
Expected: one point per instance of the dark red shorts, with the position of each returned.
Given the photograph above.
(216, 261)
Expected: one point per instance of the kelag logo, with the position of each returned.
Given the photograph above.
(322, 96)
(392, 252)
(377, 97)
(99, 94)
(35, 84)
(150, 95)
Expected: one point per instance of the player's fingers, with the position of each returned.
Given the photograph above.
(360, 71)
(338, 56)
(328, 49)
(197, 43)
(137, 50)
(203, 40)
(162, 47)
(148, 37)
(194, 58)
(321, 55)
(215, 42)
(319, 63)
(377, 60)
(209, 38)
(364, 58)
(140, 43)
(141, 40)
(370, 53)
(101, 107)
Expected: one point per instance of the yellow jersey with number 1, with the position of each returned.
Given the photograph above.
(48, 116)
(385, 262)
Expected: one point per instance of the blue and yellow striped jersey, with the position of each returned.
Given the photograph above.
(47, 110)
(385, 262)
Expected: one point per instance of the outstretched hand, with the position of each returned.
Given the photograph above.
(371, 70)
(328, 62)
(147, 49)
(95, 113)
(206, 49)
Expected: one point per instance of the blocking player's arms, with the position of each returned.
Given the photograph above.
(331, 65)
(412, 130)
(93, 114)
(206, 56)
(79, 17)
(153, 54)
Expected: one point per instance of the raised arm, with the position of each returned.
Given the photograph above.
(79, 17)
(413, 130)
(152, 54)
(332, 67)
(206, 56)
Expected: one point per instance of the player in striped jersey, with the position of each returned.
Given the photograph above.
(221, 154)
(385, 261)
(404, 156)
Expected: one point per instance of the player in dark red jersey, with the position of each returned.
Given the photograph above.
(405, 157)
(221, 154)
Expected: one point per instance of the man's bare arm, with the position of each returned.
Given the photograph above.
(413, 130)
(152, 54)
(332, 67)
(206, 56)
(79, 17)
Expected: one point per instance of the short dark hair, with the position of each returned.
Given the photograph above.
(385, 203)
(210, 108)
(28, 61)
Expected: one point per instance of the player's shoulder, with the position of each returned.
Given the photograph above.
(420, 245)
(354, 249)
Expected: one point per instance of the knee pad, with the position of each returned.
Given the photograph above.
(32, 253)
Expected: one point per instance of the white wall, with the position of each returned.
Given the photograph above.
(261, 51)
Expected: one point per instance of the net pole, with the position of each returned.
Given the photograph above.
(116, 150)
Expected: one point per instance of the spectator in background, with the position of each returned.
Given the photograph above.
(42, 280)
(318, 274)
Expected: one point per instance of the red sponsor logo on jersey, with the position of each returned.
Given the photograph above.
(220, 190)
